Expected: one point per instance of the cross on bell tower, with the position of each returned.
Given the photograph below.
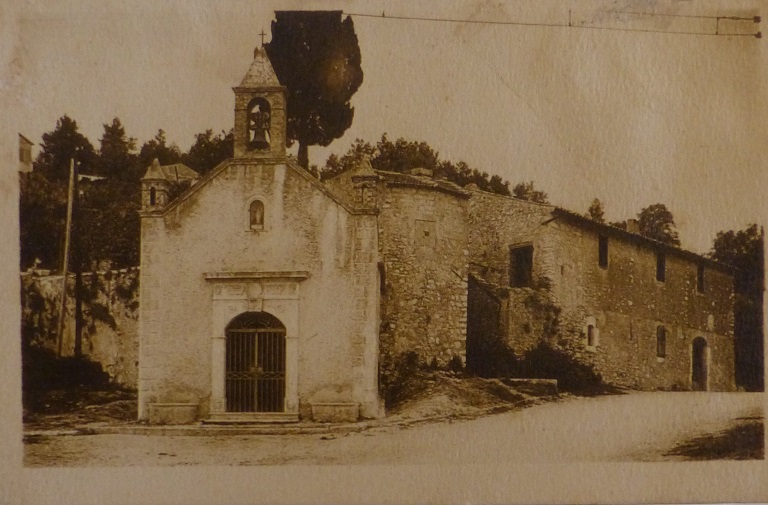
(260, 111)
(262, 37)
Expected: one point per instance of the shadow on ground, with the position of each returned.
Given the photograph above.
(744, 440)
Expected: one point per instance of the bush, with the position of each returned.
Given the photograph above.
(44, 371)
(397, 377)
(545, 362)
(493, 359)
(455, 365)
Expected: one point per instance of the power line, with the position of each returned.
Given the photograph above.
(756, 19)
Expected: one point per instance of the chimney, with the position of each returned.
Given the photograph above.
(633, 226)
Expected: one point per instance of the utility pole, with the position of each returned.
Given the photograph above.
(65, 262)
(77, 257)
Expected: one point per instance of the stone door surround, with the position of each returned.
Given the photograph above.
(236, 292)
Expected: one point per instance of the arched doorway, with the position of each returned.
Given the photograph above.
(255, 363)
(699, 364)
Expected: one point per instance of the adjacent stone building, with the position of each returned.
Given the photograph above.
(267, 295)
(645, 314)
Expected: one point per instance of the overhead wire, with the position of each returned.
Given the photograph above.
(755, 19)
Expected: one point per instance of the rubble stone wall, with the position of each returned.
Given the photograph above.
(423, 244)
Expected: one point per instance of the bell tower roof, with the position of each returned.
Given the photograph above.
(260, 73)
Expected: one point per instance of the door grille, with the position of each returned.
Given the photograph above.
(255, 373)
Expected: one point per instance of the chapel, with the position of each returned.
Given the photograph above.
(270, 296)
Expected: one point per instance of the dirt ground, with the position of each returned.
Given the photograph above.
(438, 395)
(633, 427)
(71, 409)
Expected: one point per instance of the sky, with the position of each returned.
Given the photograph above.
(630, 117)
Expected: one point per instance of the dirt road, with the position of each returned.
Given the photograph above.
(633, 427)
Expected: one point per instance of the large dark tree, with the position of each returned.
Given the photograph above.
(403, 155)
(316, 56)
(65, 142)
(745, 250)
(657, 222)
(209, 150)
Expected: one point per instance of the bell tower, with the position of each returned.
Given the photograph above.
(260, 117)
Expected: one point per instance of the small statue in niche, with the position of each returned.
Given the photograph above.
(259, 119)
(257, 214)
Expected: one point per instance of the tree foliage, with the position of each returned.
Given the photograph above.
(209, 150)
(42, 213)
(106, 222)
(157, 147)
(403, 155)
(596, 211)
(63, 143)
(527, 191)
(745, 250)
(316, 56)
(108, 225)
(117, 158)
(657, 222)
(742, 249)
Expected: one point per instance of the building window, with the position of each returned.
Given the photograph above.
(256, 211)
(700, 278)
(152, 196)
(521, 266)
(602, 251)
(661, 267)
(591, 334)
(661, 342)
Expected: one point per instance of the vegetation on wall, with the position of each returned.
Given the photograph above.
(401, 376)
(402, 155)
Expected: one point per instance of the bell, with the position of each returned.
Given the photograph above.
(259, 138)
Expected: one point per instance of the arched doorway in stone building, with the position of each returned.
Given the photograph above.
(255, 363)
(699, 364)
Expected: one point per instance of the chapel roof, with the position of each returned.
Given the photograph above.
(260, 73)
(421, 181)
(25, 140)
(582, 221)
(620, 233)
(176, 172)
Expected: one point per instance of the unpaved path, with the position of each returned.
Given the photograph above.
(641, 426)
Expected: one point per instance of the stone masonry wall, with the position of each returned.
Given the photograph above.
(423, 244)
(624, 302)
(627, 304)
(498, 222)
(304, 230)
(110, 313)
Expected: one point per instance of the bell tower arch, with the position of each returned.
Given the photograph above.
(260, 112)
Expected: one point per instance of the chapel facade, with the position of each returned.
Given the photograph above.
(267, 295)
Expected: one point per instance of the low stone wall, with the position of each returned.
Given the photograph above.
(110, 318)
